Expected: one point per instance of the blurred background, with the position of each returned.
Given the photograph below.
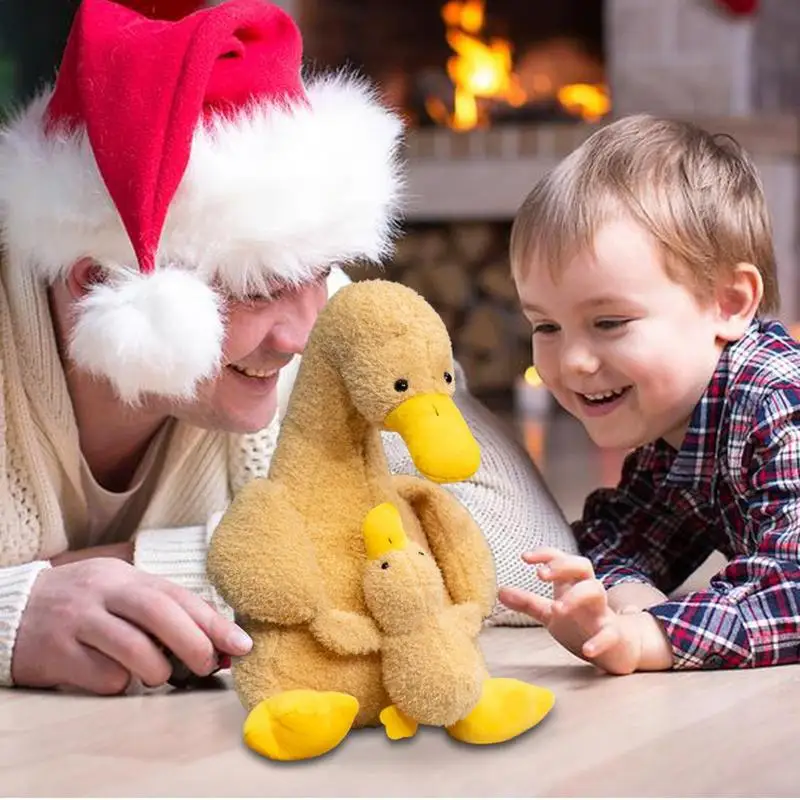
(495, 92)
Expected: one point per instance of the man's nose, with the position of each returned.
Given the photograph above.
(295, 317)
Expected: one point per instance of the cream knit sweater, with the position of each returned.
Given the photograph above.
(43, 506)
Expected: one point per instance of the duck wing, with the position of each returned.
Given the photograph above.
(455, 540)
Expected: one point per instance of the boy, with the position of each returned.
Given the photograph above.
(644, 263)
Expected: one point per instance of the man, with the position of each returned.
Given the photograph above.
(171, 213)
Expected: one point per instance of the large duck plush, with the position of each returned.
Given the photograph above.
(290, 556)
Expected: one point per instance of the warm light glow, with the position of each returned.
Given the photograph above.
(479, 69)
(482, 75)
(590, 102)
(532, 377)
(534, 432)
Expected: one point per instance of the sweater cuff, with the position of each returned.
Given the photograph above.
(179, 555)
(15, 589)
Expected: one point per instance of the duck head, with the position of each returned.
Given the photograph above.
(394, 356)
(403, 586)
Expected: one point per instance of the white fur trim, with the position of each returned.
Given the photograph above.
(159, 333)
(277, 191)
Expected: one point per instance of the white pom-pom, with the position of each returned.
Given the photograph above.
(160, 333)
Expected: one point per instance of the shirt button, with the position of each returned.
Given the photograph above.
(714, 661)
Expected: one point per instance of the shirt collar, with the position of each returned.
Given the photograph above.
(695, 464)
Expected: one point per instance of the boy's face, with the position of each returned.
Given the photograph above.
(623, 347)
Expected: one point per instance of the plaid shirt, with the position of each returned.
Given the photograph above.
(733, 487)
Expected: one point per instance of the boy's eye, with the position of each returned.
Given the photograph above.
(610, 324)
(545, 327)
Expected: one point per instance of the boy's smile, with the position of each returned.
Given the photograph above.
(622, 346)
(600, 403)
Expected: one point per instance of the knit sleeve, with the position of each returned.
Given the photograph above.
(179, 555)
(15, 589)
(507, 498)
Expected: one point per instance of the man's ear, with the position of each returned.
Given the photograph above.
(82, 275)
(738, 296)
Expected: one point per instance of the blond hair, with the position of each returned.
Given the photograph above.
(697, 194)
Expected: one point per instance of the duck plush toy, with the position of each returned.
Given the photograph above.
(432, 667)
(300, 554)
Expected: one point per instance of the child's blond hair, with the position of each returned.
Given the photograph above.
(699, 195)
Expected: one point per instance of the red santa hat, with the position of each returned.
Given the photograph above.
(186, 155)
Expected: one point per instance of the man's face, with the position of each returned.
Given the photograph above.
(262, 336)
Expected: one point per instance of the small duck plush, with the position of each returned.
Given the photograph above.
(289, 556)
(433, 669)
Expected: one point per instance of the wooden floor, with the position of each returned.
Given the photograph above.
(690, 734)
(726, 734)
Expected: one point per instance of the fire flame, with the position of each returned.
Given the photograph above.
(586, 100)
(478, 69)
(482, 69)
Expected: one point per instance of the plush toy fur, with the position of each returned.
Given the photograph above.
(289, 555)
(432, 667)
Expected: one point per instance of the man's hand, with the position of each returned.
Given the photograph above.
(580, 618)
(95, 623)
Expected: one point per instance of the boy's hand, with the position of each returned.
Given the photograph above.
(95, 623)
(579, 617)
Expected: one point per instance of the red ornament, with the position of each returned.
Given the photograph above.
(740, 7)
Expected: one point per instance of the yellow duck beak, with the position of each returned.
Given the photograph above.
(383, 531)
(437, 436)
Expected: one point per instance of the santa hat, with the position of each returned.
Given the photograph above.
(189, 159)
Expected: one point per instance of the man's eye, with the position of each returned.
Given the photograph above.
(258, 299)
(545, 327)
(610, 324)
(278, 289)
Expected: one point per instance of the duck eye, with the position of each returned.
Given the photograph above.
(401, 385)
(421, 553)
(385, 565)
(448, 378)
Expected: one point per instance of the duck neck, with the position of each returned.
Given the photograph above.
(322, 426)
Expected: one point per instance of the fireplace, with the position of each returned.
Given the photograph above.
(468, 64)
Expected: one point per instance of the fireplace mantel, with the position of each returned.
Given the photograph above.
(485, 174)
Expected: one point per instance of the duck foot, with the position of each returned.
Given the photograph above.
(397, 724)
(506, 709)
(299, 724)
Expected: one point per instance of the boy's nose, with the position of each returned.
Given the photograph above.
(294, 319)
(579, 360)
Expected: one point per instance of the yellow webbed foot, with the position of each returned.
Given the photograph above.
(397, 724)
(299, 724)
(507, 708)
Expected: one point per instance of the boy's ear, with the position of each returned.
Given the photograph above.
(738, 296)
(82, 275)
